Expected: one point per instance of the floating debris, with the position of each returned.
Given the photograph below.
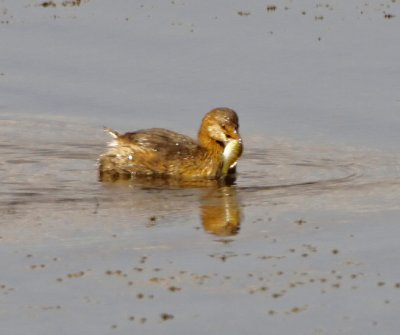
(166, 316)
(48, 4)
(389, 16)
(243, 13)
(271, 8)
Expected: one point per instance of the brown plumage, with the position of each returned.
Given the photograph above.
(163, 153)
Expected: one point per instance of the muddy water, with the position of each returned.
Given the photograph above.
(305, 237)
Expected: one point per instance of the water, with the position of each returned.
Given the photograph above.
(58, 172)
(305, 241)
(304, 231)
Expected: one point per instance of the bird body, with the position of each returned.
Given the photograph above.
(158, 152)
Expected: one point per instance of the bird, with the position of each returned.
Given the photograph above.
(162, 153)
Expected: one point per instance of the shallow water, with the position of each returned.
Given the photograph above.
(305, 241)
(59, 172)
(306, 233)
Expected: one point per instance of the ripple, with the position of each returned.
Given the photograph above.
(60, 168)
(287, 171)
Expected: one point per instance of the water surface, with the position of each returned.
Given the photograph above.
(306, 232)
(305, 241)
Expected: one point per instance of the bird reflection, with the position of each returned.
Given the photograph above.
(220, 211)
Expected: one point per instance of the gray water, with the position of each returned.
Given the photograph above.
(305, 241)
(307, 232)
